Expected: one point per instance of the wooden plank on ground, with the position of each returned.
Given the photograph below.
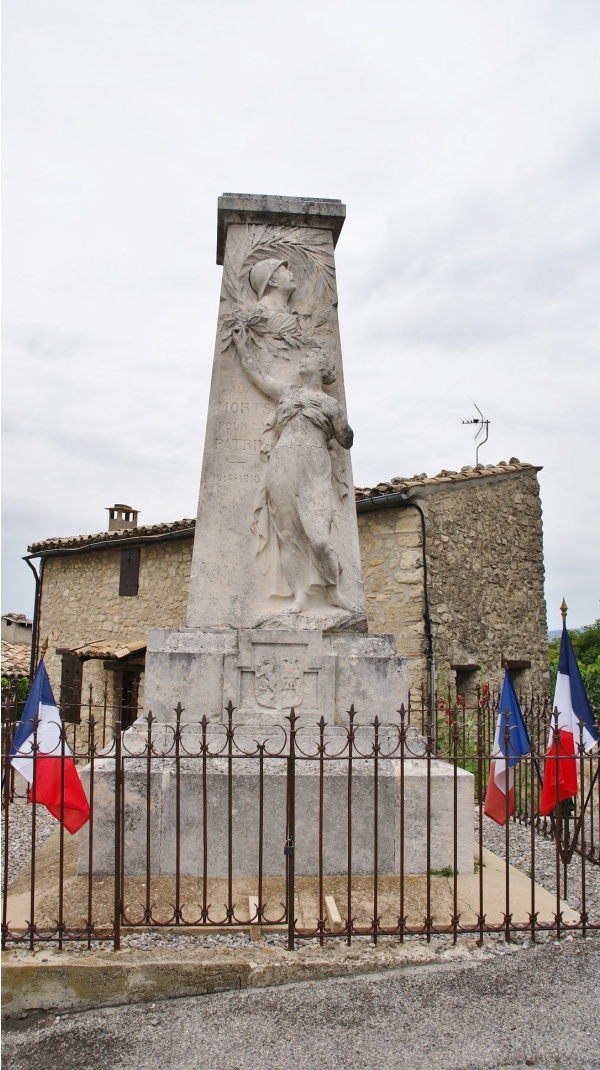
(333, 915)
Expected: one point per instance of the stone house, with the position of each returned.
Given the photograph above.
(452, 565)
(16, 628)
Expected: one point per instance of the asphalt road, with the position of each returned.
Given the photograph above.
(535, 1007)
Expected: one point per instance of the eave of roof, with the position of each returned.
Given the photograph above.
(400, 484)
(185, 528)
(110, 648)
(144, 533)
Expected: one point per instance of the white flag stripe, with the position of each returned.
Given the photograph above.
(48, 740)
(499, 759)
(499, 773)
(567, 718)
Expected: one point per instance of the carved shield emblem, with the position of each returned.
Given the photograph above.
(279, 676)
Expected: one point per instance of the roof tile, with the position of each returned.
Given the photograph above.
(392, 486)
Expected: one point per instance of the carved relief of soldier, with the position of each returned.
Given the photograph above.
(262, 295)
(274, 283)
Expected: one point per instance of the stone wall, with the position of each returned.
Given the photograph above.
(486, 565)
(392, 566)
(485, 576)
(81, 603)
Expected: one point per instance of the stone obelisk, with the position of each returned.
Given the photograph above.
(276, 611)
(260, 533)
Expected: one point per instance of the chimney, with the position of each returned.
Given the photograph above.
(121, 517)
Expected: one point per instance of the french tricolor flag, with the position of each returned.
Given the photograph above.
(575, 724)
(511, 742)
(52, 775)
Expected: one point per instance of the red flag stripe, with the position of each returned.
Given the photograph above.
(495, 799)
(75, 810)
(560, 773)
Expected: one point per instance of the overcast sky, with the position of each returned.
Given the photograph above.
(464, 138)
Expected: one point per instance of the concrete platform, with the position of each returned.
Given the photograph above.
(307, 896)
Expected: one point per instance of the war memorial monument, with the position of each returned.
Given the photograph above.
(276, 615)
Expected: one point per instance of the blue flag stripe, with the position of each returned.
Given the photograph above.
(511, 720)
(39, 692)
(567, 665)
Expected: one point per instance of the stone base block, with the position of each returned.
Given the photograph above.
(203, 804)
(212, 806)
(266, 672)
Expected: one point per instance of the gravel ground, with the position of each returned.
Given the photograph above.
(19, 834)
(531, 1006)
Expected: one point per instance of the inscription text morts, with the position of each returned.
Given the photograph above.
(278, 677)
(245, 408)
(239, 425)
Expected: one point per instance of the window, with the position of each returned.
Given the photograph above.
(467, 678)
(70, 688)
(519, 671)
(130, 571)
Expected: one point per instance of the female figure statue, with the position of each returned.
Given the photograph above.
(296, 509)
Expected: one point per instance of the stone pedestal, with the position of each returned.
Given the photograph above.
(265, 673)
(395, 807)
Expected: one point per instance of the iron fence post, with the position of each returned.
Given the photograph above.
(6, 741)
(480, 783)
(91, 755)
(118, 788)
(291, 833)
(402, 740)
(349, 921)
(582, 842)
(34, 753)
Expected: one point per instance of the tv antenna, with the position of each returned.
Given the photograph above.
(483, 425)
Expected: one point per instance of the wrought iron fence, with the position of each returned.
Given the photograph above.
(359, 829)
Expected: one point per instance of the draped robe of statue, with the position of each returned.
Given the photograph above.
(304, 486)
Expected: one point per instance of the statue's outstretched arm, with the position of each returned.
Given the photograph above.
(270, 386)
(342, 431)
